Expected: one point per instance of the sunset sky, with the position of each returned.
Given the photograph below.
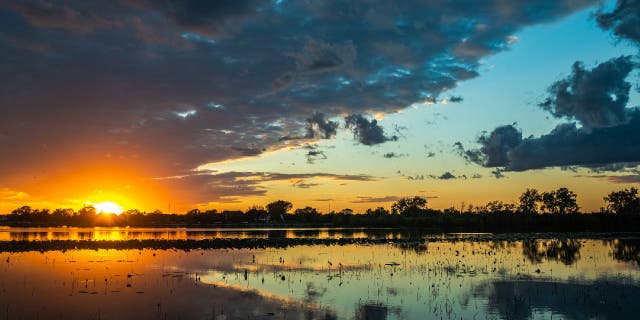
(174, 105)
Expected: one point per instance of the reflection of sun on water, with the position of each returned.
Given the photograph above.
(108, 207)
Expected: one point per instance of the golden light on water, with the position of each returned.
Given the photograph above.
(108, 207)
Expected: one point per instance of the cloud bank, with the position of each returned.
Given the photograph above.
(161, 87)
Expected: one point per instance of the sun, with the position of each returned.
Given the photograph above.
(108, 207)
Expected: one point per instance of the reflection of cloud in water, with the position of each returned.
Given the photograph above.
(450, 279)
(291, 306)
(605, 298)
(127, 285)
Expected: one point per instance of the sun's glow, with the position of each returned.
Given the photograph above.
(108, 207)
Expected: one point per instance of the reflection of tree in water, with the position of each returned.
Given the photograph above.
(600, 299)
(417, 247)
(372, 311)
(627, 250)
(501, 245)
(565, 251)
(312, 293)
(304, 233)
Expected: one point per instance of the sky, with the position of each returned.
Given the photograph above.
(174, 105)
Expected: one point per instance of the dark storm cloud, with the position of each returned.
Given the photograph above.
(494, 147)
(605, 136)
(570, 145)
(616, 167)
(318, 124)
(366, 131)
(623, 21)
(595, 98)
(165, 86)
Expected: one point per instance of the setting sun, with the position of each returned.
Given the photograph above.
(108, 207)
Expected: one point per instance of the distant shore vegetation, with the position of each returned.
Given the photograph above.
(535, 211)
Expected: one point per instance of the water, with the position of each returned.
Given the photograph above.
(115, 233)
(443, 278)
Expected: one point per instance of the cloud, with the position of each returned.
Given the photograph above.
(494, 147)
(498, 173)
(616, 167)
(304, 185)
(446, 176)
(7, 194)
(318, 123)
(569, 145)
(367, 132)
(213, 18)
(108, 79)
(455, 99)
(313, 153)
(624, 20)
(391, 155)
(229, 187)
(595, 98)
(376, 199)
(320, 57)
(627, 178)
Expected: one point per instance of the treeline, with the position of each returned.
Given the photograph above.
(535, 211)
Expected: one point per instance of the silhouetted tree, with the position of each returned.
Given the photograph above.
(307, 214)
(561, 201)
(624, 201)
(86, 211)
(193, 212)
(22, 211)
(278, 209)
(346, 211)
(63, 213)
(257, 213)
(499, 206)
(379, 211)
(409, 206)
(529, 201)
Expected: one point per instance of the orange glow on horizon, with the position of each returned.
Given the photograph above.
(108, 207)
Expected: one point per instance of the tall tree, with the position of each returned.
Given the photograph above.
(529, 201)
(561, 201)
(624, 201)
(278, 209)
(409, 206)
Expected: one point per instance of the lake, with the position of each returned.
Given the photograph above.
(455, 276)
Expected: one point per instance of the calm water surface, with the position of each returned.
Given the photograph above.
(543, 278)
(115, 233)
